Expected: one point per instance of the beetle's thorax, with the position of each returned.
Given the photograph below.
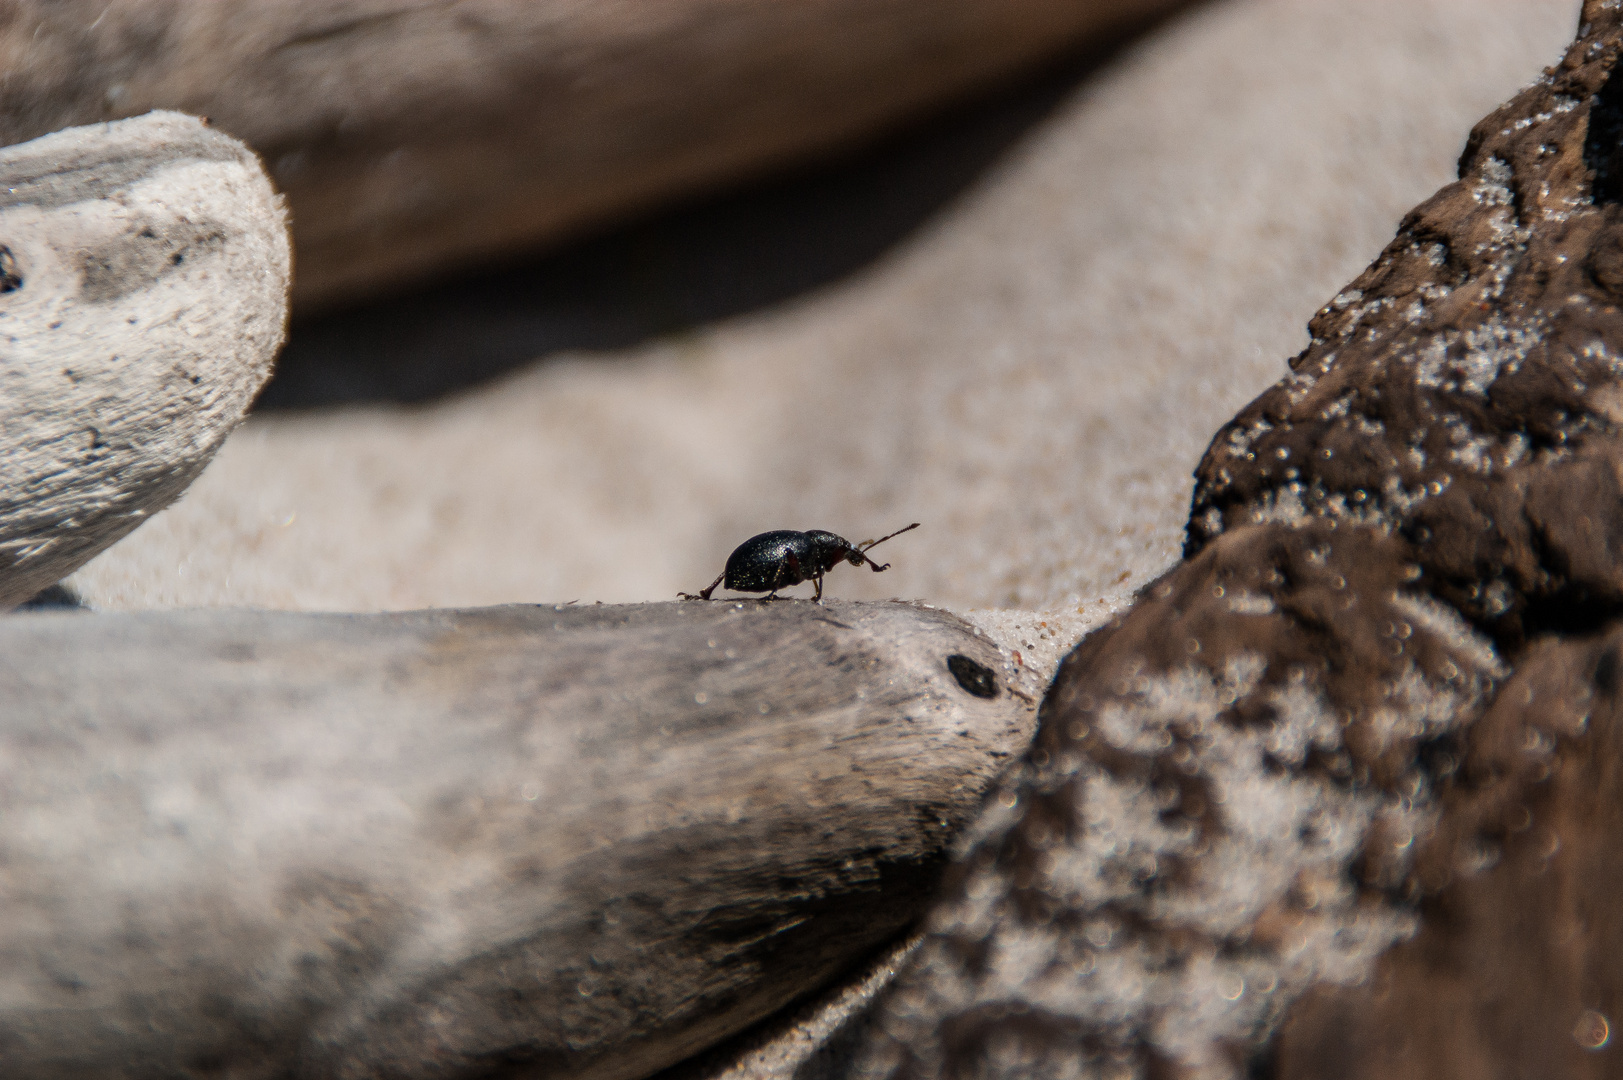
(827, 551)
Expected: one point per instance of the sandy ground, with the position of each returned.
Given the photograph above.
(1033, 374)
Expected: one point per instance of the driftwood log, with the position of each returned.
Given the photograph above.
(412, 136)
(143, 292)
(1338, 797)
(559, 841)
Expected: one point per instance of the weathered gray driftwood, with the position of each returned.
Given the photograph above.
(579, 842)
(143, 291)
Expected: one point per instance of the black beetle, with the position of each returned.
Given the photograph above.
(781, 558)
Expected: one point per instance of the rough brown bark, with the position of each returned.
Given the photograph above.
(1466, 390)
(1177, 861)
(1293, 816)
(1515, 971)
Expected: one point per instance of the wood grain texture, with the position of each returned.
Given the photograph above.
(412, 135)
(570, 842)
(146, 301)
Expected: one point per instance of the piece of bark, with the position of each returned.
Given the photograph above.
(1515, 969)
(581, 842)
(413, 136)
(1466, 390)
(1311, 820)
(1217, 815)
(143, 294)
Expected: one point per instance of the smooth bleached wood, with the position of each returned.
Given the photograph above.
(144, 297)
(573, 841)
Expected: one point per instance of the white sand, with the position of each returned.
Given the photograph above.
(1033, 376)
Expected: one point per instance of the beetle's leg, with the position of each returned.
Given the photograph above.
(703, 594)
(856, 557)
(818, 581)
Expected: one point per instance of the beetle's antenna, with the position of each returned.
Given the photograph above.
(866, 544)
(863, 547)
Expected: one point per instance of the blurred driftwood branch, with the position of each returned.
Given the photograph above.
(410, 137)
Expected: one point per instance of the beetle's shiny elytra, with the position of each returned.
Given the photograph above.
(781, 558)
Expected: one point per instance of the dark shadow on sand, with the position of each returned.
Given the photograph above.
(732, 252)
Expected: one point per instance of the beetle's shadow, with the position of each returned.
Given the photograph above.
(689, 265)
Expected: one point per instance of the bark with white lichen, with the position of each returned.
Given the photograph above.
(1338, 796)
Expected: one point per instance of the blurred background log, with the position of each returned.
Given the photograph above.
(414, 137)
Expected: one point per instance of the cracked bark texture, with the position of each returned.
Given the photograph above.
(1466, 390)
(1335, 797)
